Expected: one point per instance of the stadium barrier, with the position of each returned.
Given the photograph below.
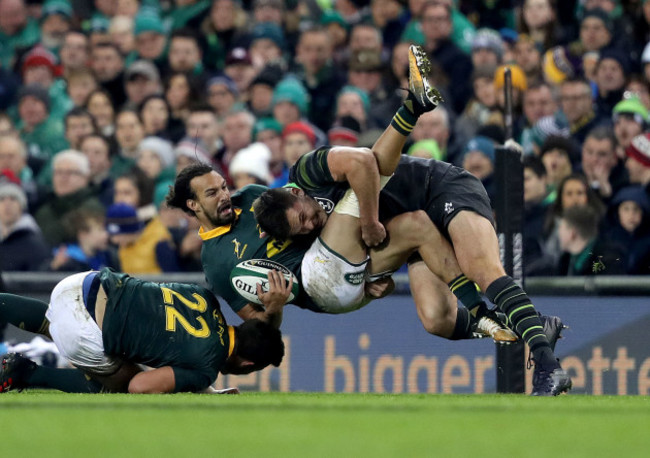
(384, 349)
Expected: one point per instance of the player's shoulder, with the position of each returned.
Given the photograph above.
(248, 191)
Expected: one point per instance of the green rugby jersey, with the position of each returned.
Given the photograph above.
(226, 246)
(166, 324)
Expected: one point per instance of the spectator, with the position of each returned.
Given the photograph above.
(260, 91)
(298, 138)
(454, 63)
(222, 95)
(222, 30)
(528, 56)
(537, 103)
(17, 30)
(141, 249)
(426, 149)
(13, 158)
(81, 83)
(596, 30)
(630, 118)
(478, 159)
(353, 101)
(267, 45)
(202, 123)
(100, 105)
(365, 72)
(129, 132)
(436, 125)
(157, 160)
(251, 166)
(638, 161)
(107, 63)
(487, 50)
(337, 29)
(189, 14)
(612, 68)
(578, 107)
(290, 101)
(318, 75)
(190, 151)
(630, 212)
(70, 191)
(75, 52)
(481, 108)
(269, 132)
(584, 252)
(78, 124)
(141, 80)
(237, 134)
(121, 33)
(150, 39)
(185, 53)
(99, 152)
(42, 134)
(89, 249)
(240, 69)
(557, 155)
(344, 132)
(21, 241)
(180, 91)
(56, 20)
(537, 200)
(600, 165)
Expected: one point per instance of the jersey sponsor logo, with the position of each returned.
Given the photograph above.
(327, 204)
(355, 278)
(239, 252)
(449, 207)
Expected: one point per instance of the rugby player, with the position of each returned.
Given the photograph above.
(453, 200)
(106, 323)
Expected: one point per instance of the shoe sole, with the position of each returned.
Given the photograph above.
(419, 70)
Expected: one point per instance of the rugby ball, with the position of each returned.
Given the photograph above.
(246, 275)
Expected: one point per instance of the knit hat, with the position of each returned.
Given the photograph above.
(559, 64)
(639, 149)
(482, 144)
(488, 39)
(270, 76)
(252, 160)
(431, 146)
(509, 35)
(645, 57)
(599, 14)
(632, 106)
(635, 194)
(346, 128)
(148, 22)
(13, 190)
(333, 17)
(224, 81)
(98, 24)
(122, 219)
(301, 127)
(266, 124)
(268, 31)
(194, 149)
(61, 7)
(291, 90)
(363, 95)
(518, 77)
(39, 56)
(550, 125)
(162, 148)
(365, 60)
(37, 91)
(618, 56)
(142, 68)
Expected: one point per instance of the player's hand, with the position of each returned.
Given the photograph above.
(373, 233)
(278, 292)
(380, 288)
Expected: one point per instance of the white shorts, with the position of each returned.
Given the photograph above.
(332, 282)
(74, 331)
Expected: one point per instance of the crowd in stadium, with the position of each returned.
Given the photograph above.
(103, 102)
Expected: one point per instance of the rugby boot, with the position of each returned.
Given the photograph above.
(15, 370)
(422, 96)
(489, 325)
(553, 326)
(550, 381)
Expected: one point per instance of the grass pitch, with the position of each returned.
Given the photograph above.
(51, 424)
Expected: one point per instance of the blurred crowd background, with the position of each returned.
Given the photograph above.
(102, 102)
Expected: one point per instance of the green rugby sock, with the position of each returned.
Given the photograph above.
(522, 316)
(465, 290)
(66, 380)
(23, 312)
(404, 121)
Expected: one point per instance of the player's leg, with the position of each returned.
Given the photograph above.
(24, 313)
(477, 250)
(421, 98)
(414, 231)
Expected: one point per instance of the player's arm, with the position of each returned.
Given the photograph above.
(161, 380)
(253, 311)
(358, 167)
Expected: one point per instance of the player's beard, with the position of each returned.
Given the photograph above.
(218, 220)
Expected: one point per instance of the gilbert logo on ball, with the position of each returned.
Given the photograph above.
(246, 275)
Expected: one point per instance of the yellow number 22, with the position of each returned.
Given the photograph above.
(174, 315)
